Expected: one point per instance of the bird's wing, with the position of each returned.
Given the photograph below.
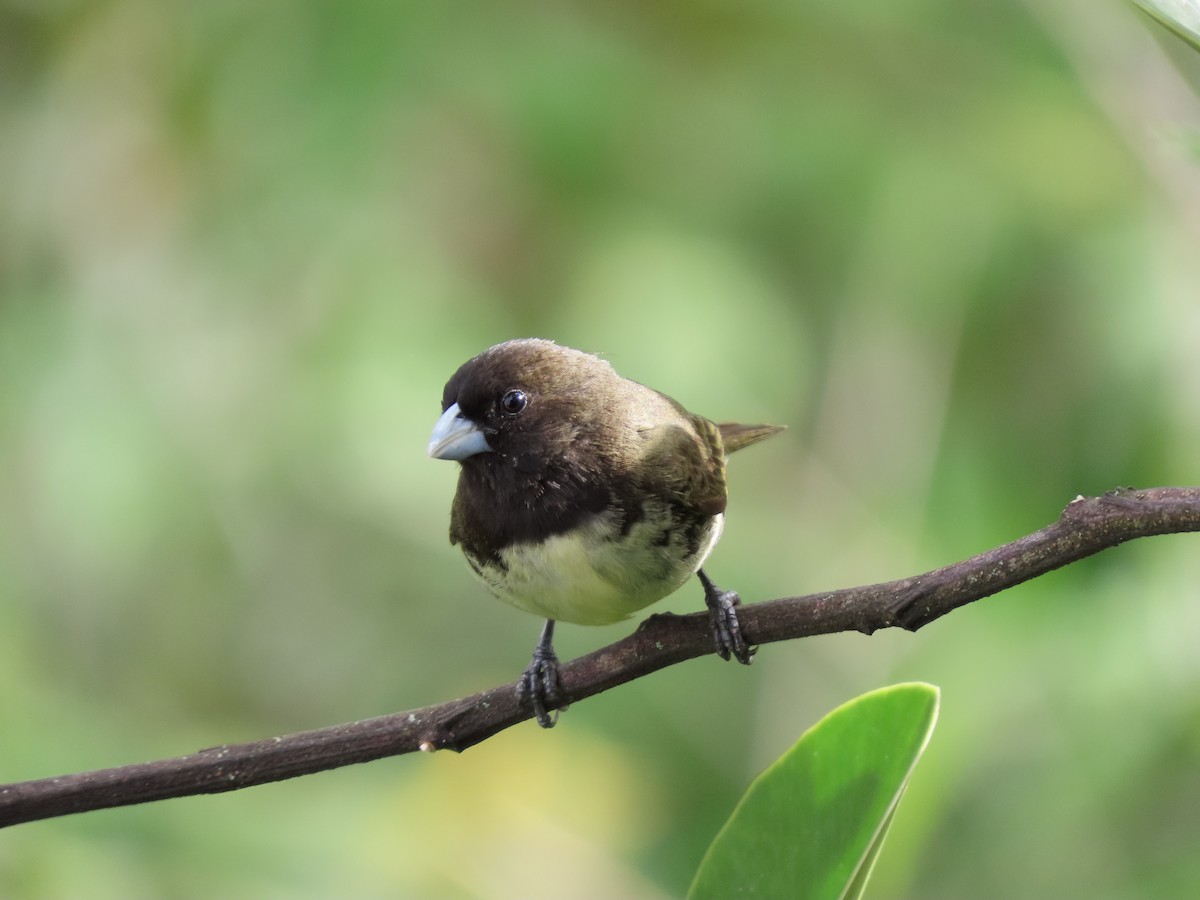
(684, 465)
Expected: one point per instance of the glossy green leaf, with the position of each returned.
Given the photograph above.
(811, 825)
(1179, 16)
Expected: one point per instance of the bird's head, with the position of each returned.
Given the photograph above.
(524, 401)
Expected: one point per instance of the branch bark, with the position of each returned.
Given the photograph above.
(1085, 527)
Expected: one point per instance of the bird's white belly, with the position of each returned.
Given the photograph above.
(590, 576)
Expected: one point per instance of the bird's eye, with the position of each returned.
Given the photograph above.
(513, 402)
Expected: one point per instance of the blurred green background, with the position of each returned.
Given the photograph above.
(242, 246)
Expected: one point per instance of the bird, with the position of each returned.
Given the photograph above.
(582, 496)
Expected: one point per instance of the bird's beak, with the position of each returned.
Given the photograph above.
(456, 437)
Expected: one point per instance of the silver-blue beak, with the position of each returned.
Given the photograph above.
(456, 437)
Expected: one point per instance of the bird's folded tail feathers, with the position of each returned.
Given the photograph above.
(735, 436)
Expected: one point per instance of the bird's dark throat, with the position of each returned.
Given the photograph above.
(499, 505)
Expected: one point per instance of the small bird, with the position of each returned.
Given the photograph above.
(582, 496)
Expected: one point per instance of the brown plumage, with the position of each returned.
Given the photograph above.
(583, 496)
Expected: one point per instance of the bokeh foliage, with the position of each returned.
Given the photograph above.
(243, 245)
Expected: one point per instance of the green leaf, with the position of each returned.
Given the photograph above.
(1179, 16)
(811, 825)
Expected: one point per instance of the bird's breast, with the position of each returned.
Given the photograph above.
(602, 570)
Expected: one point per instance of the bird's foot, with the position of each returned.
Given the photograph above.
(539, 686)
(723, 619)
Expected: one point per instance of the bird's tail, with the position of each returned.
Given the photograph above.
(735, 436)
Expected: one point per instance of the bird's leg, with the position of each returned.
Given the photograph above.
(722, 615)
(539, 685)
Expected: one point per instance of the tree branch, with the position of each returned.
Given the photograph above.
(1086, 526)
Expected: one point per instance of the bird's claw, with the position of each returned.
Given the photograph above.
(539, 688)
(723, 619)
(727, 631)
